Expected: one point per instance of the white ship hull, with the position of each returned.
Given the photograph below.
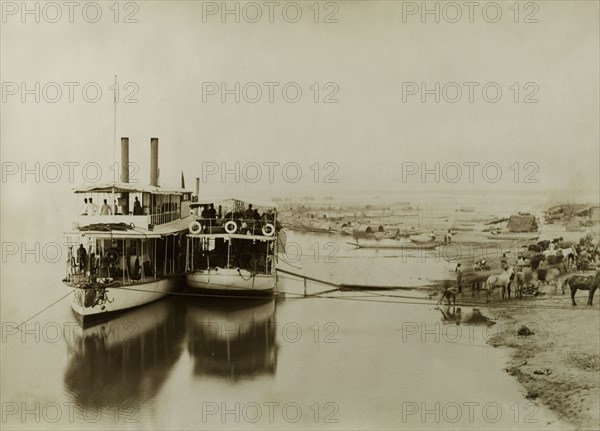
(233, 280)
(97, 301)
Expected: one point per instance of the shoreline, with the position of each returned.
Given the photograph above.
(559, 363)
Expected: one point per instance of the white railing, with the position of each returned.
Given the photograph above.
(166, 217)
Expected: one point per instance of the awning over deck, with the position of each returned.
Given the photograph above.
(229, 201)
(117, 187)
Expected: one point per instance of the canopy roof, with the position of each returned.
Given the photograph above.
(230, 201)
(117, 187)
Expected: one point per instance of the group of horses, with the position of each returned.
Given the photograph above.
(575, 282)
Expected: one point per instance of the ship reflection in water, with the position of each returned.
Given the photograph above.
(232, 338)
(123, 362)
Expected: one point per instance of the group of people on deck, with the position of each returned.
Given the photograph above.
(89, 207)
(250, 218)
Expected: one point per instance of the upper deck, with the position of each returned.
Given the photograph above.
(234, 218)
(142, 206)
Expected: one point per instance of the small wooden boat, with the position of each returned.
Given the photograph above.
(514, 236)
(368, 231)
(399, 246)
(422, 238)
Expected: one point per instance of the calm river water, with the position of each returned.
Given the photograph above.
(343, 360)
(375, 359)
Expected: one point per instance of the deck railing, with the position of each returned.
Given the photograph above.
(165, 217)
(137, 220)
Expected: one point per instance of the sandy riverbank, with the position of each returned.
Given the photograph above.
(565, 344)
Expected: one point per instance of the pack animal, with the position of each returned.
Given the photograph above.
(502, 280)
(581, 282)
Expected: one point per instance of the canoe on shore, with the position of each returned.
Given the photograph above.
(525, 236)
(422, 238)
(402, 245)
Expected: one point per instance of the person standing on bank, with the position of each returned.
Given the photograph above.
(459, 273)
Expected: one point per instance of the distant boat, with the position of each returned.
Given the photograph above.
(323, 225)
(463, 228)
(408, 232)
(400, 245)
(522, 226)
(421, 238)
(525, 236)
(369, 231)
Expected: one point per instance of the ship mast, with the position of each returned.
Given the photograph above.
(112, 203)
(115, 123)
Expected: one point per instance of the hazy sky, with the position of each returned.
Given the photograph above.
(370, 57)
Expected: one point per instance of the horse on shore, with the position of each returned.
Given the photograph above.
(522, 278)
(591, 283)
(502, 280)
(529, 279)
(570, 256)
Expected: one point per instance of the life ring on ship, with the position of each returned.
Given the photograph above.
(268, 229)
(231, 227)
(132, 226)
(195, 227)
(112, 256)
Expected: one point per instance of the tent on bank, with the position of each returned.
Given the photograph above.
(522, 223)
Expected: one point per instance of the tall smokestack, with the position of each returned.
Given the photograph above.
(154, 162)
(197, 195)
(124, 160)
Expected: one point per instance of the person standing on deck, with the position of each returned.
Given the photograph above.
(105, 210)
(81, 257)
(249, 214)
(137, 207)
(92, 208)
(212, 212)
(84, 208)
(205, 214)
